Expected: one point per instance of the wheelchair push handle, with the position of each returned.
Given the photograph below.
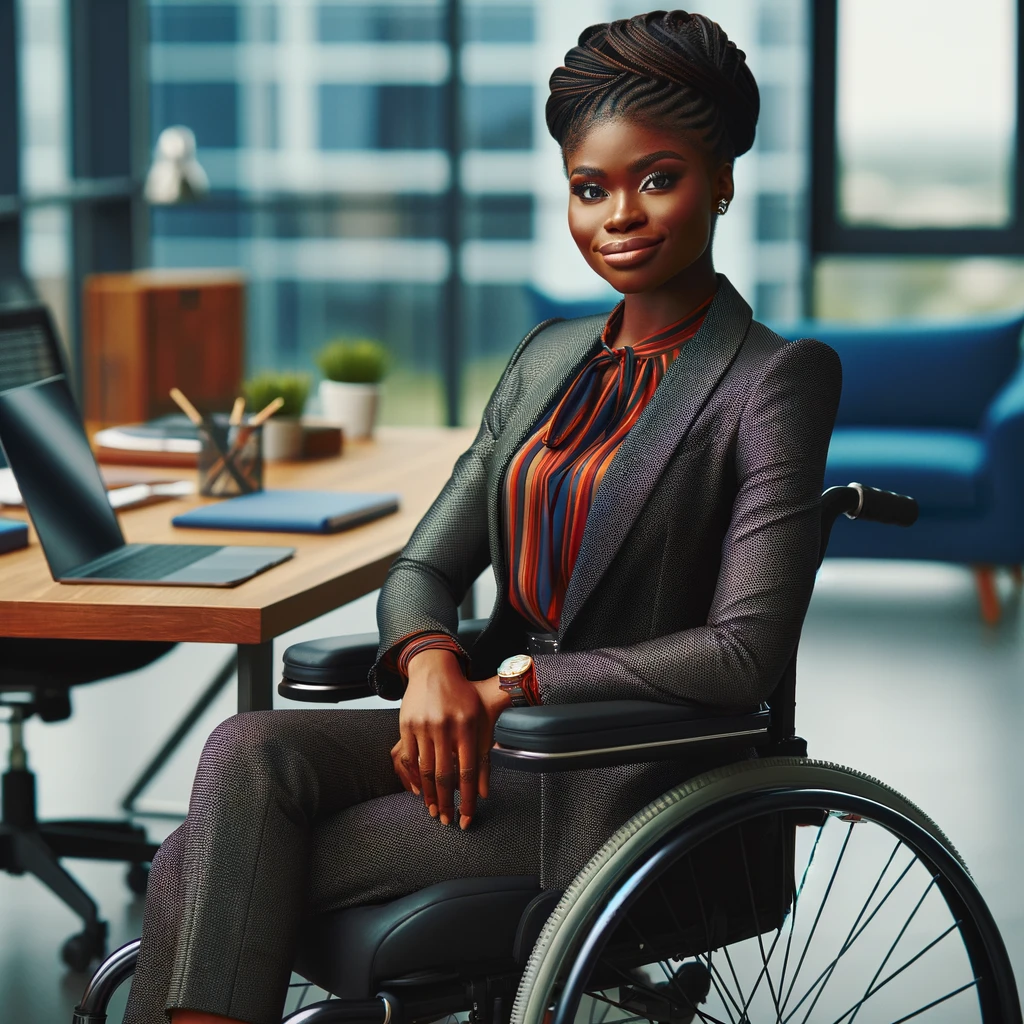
(882, 506)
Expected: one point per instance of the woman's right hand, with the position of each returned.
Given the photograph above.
(445, 733)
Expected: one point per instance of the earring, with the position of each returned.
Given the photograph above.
(723, 205)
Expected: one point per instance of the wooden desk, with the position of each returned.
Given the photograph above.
(326, 571)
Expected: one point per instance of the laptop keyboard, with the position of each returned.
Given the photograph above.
(145, 561)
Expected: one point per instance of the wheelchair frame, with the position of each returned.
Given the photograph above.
(574, 737)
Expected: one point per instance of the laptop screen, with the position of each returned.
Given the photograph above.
(42, 435)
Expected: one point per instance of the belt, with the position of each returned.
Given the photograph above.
(541, 643)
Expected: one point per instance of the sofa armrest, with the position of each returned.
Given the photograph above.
(565, 737)
(1003, 430)
(336, 668)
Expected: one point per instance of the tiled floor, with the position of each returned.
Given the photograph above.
(898, 677)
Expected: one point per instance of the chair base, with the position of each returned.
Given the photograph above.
(28, 846)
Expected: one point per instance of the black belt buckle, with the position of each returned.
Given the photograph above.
(541, 643)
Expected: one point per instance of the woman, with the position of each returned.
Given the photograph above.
(646, 488)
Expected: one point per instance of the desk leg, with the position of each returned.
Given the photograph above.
(256, 676)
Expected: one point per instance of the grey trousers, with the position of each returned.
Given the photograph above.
(294, 813)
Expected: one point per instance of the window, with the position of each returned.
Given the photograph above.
(499, 117)
(369, 23)
(505, 23)
(915, 125)
(925, 113)
(358, 116)
(210, 109)
(194, 23)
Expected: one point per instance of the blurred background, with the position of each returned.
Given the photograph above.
(384, 168)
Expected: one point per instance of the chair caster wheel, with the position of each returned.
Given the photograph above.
(137, 878)
(82, 949)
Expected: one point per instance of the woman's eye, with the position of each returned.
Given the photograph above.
(588, 192)
(658, 180)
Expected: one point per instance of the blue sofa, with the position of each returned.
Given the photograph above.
(931, 410)
(935, 411)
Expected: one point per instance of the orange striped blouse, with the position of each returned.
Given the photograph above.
(551, 481)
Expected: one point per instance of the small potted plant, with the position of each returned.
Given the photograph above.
(282, 433)
(353, 369)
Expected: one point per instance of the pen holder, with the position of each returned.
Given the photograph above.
(230, 460)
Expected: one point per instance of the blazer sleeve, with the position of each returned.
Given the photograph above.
(769, 559)
(447, 552)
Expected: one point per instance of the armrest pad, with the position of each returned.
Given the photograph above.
(335, 668)
(564, 736)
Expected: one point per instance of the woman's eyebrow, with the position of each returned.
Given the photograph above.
(635, 167)
(652, 158)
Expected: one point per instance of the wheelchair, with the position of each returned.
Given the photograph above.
(774, 888)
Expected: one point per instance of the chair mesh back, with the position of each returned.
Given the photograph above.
(26, 355)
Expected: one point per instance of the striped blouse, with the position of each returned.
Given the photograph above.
(552, 479)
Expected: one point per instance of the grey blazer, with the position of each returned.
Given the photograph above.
(698, 556)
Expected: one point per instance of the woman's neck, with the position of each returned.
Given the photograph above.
(644, 313)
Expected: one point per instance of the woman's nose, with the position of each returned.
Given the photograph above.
(626, 213)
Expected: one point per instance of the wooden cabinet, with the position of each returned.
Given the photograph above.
(148, 331)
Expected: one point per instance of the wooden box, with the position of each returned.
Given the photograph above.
(148, 331)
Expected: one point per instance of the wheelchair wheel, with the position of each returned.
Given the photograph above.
(780, 890)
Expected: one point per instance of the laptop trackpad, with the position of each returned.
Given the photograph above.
(230, 565)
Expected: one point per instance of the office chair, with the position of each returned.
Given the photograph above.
(35, 679)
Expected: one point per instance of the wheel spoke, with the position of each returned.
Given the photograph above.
(935, 1002)
(660, 994)
(899, 970)
(854, 934)
(760, 942)
(892, 948)
(796, 901)
(817, 917)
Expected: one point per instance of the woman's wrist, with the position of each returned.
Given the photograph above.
(433, 660)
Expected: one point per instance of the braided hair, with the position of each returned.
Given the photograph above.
(665, 68)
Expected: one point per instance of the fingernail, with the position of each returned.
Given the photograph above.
(416, 790)
(445, 820)
(463, 821)
(433, 810)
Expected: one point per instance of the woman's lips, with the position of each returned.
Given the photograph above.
(629, 252)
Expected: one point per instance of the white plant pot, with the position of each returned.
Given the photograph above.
(282, 439)
(353, 407)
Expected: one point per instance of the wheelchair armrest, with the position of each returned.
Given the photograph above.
(336, 668)
(573, 736)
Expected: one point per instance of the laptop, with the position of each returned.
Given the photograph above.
(44, 440)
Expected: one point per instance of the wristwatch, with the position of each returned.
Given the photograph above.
(515, 674)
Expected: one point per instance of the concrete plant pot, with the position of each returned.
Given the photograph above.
(282, 439)
(353, 407)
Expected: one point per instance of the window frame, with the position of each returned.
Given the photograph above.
(829, 236)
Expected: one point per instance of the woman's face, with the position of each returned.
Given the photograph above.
(642, 202)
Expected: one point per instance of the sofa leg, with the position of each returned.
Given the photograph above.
(988, 598)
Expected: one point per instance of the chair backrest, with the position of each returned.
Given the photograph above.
(919, 374)
(783, 699)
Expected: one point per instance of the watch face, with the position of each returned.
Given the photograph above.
(517, 665)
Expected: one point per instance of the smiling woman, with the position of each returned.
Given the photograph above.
(674, 440)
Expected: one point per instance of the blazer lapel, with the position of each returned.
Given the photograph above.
(568, 344)
(648, 447)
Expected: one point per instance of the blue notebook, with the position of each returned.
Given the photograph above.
(13, 534)
(291, 511)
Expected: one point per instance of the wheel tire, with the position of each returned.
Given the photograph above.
(137, 878)
(620, 859)
(80, 950)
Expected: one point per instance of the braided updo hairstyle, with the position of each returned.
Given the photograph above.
(666, 69)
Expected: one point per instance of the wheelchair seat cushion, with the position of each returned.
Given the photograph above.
(452, 929)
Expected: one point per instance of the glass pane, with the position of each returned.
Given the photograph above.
(871, 290)
(926, 112)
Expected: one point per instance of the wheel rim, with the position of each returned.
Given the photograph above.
(911, 940)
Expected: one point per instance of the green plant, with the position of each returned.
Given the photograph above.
(353, 360)
(262, 389)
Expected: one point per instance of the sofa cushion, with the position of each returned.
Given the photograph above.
(942, 469)
(918, 375)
